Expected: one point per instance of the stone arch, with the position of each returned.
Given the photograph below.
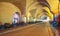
(21, 4)
(34, 6)
(7, 11)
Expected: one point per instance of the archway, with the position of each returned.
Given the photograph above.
(36, 10)
(7, 11)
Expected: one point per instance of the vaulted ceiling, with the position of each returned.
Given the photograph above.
(47, 4)
(21, 4)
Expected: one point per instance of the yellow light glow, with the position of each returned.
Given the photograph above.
(7, 11)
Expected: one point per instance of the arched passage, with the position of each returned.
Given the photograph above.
(7, 11)
(36, 10)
